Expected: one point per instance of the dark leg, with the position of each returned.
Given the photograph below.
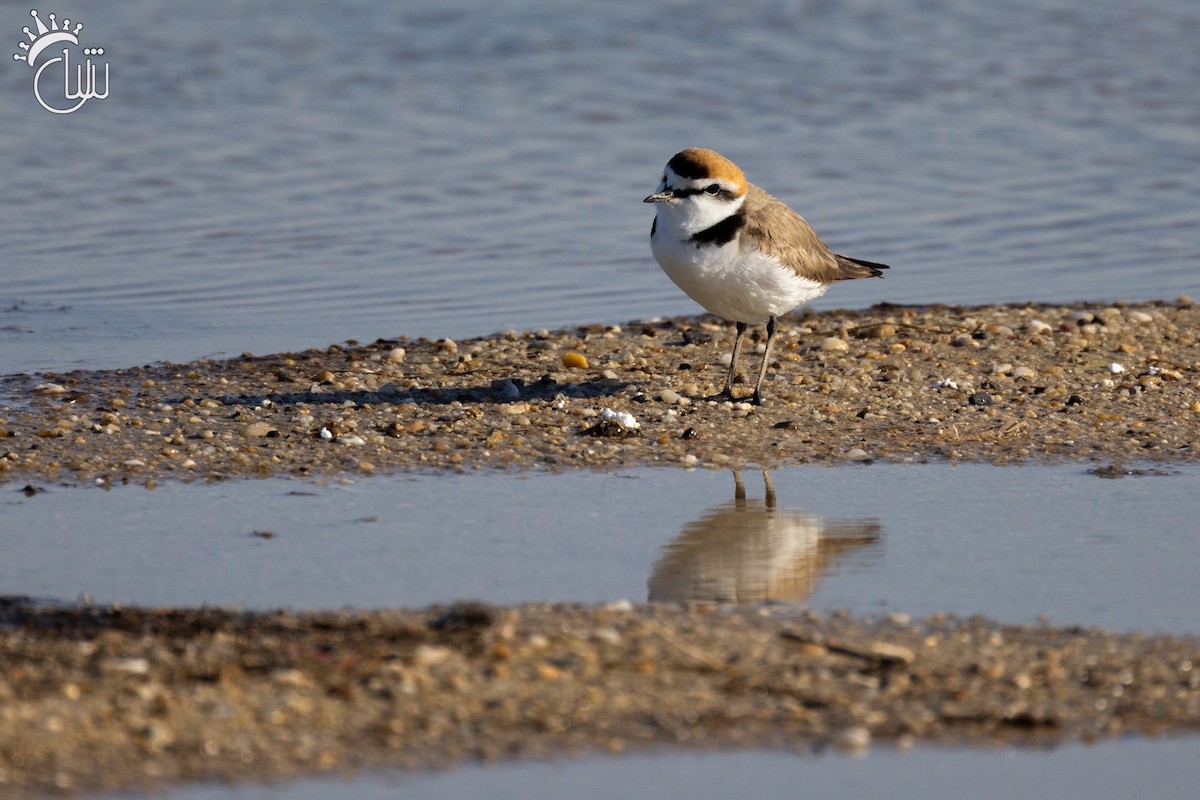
(770, 488)
(727, 392)
(772, 326)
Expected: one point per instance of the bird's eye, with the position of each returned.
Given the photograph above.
(712, 188)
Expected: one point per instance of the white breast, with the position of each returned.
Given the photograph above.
(736, 283)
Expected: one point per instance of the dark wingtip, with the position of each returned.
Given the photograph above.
(875, 269)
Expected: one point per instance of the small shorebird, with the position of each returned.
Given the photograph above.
(738, 251)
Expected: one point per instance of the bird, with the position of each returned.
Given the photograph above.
(739, 252)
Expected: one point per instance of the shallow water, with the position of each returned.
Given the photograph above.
(1011, 543)
(1107, 771)
(275, 176)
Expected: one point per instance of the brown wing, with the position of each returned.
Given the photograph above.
(773, 226)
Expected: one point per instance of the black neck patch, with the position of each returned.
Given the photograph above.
(722, 233)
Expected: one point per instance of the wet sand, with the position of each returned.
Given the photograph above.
(1001, 384)
(96, 698)
(107, 697)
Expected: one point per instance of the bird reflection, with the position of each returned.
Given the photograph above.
(750, 550)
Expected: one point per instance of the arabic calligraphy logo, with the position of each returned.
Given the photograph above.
(85, 87)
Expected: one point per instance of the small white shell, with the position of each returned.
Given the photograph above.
(620, 416)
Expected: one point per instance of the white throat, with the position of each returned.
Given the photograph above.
(696, 213)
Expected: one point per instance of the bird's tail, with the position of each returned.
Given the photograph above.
(857, 268)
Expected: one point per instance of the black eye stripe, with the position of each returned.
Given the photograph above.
(724, 194)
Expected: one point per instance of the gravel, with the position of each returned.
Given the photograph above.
(1091, 383)
(105, 698)
(115, 698)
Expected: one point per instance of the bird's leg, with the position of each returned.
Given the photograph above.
(739, 491)
(727, 392)
(772, 326)
(770, 489)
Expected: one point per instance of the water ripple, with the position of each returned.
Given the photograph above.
(255, 182)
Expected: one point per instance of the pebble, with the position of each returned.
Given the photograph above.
(1024, 372)
(256, 430)
(1037, 326)
(397, 355)
(669, 396)
(291, 678)
(573, 360)
(857, 454)
(131, 666)
(548, 672)
(833, 344)
(428, 655)
(514, 409)
(607, 635)
(854, 740)
(879, 330)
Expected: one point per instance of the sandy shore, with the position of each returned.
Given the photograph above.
(96, 698)
(102, 697)
(1002, 384)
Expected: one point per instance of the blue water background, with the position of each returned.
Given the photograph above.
(274, 176)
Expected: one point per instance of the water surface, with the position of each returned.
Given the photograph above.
(275, 176)
(1108, 771)
(1012, 543)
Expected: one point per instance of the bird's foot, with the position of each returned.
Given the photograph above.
(724, 394)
